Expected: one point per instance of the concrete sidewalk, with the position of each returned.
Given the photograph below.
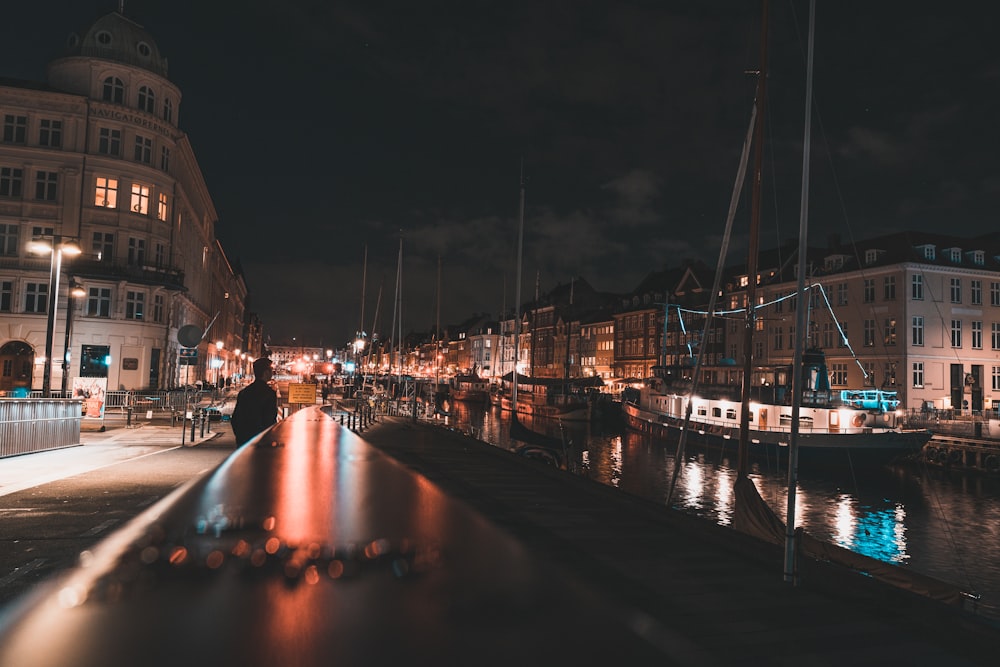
(99, 449)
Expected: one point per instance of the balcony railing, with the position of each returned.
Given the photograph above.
(148, 275)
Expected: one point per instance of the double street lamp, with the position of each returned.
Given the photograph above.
(57, 247)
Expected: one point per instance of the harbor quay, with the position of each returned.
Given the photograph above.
(410, 541)
(709, 593)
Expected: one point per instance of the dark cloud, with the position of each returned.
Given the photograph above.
(324, 128)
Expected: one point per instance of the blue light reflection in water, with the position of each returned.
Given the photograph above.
(944, 525)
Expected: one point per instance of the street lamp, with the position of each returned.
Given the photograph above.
(57, 247)
(76, 291)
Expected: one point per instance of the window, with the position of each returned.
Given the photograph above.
(955, 254)
(6, 295)
(889, 288)
(143, 149)
(103, 246)
(918, 374)
(890, 374)
(147, 100)
(15, 129)
(46, 185)
(890, 331)
(917, 288)
(9, 235)
(842, 294)
(995, 294)
(976, 292)
(827, 335)
(50, 133)
(930, 252)
(158, 302)
(977, 335)
(164, 159)
(139, 203)
(869, 290)
(996, 378)
(136, 251)
(956, 290)
(11, 182)
(160, 256)
(917, 330)
(956, 333)
(168, 110)
(871, 256)
(110, 142)
(838, 374)
(114, 90)
(106, 192)
(978, 257)
(99, 302)
(161, 207)
(778, 336)
(843, 335)
(869, 333)
(36, 298)
(995, 335)
(134, 305)
(94, 360)
(37, 232)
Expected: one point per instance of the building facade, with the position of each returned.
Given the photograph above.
(95, 159)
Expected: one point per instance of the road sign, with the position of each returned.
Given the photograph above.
(301, 393)
(188, 356)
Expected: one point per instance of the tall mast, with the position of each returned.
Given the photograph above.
(749, 323)
(517, 294)
(437, 329)
(790, 574)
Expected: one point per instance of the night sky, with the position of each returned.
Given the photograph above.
(323, 128)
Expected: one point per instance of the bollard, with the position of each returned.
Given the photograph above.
(194, 422)
(342, 419)
(128, 417)
(202, 417)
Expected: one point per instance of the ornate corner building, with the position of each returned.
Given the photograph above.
(94, 159)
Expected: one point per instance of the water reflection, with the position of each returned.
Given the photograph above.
(945, 525)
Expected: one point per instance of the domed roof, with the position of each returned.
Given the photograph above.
(114, 37)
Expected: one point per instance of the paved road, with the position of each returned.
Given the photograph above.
(55, 505)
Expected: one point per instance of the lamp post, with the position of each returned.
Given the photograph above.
(76, 291)
(57, 247)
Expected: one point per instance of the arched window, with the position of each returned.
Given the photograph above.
(114, 90)
(168, 110)
(147, 101)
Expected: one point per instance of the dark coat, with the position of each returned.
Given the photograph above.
(256, 410)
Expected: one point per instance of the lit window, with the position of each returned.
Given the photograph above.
(139, 202)
(106, 192)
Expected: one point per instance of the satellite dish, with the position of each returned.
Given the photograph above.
(189, 335)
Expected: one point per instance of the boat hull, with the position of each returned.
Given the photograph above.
(867, 446)
(569, 412)
(470, 395)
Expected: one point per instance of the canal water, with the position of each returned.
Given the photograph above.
(939, 523)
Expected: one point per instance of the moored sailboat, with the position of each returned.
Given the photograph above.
(863, 425)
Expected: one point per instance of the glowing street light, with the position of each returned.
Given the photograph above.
(57, 247)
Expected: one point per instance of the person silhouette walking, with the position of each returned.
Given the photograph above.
(256, 405)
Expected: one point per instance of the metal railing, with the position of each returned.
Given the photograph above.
(29, 425)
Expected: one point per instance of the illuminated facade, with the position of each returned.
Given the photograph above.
(95, 155)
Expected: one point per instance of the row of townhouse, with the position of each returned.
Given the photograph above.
(912, 312)
(92, 161)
